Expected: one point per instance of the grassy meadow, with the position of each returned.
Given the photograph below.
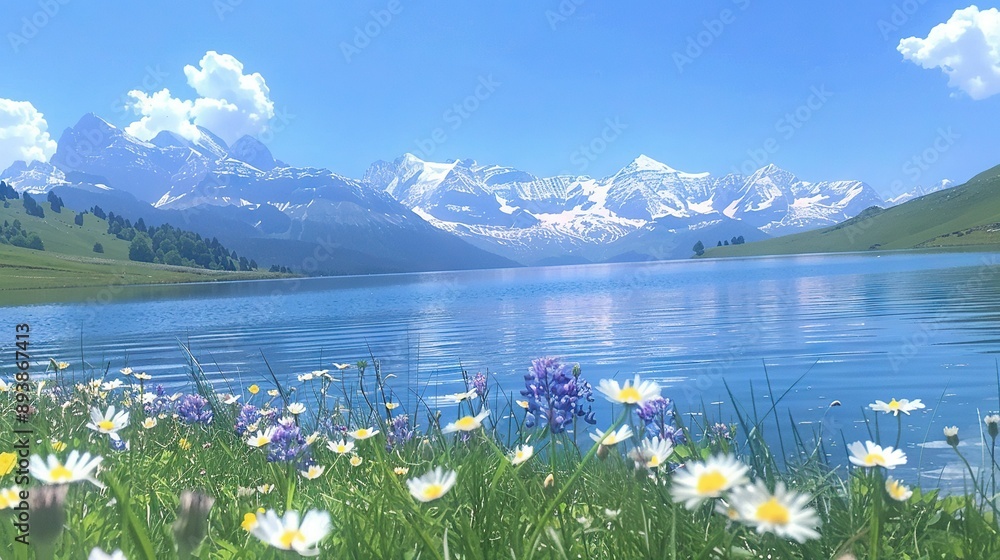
(358, 469)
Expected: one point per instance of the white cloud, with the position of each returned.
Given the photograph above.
(230, 103)
(966, 48)
(23, 133)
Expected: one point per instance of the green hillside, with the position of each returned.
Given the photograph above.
(69, 259)
(966, 217)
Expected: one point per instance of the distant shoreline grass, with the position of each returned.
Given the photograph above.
(386, 475)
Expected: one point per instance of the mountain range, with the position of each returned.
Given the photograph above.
(416, 215)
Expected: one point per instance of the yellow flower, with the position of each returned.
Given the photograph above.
(897, 490)
(432, 485)
(466, 423)
(10, 497)
(249, 522)
(149, 423)
(254, 389)
(184, 444)
(521, 454)
(58, 446)
(7, 462)
(356, 461)
(401, 471)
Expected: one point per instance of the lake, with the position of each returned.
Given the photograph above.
(855, 328)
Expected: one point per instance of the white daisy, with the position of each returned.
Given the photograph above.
(633, 392)
(262, 438)
(342, 447)
(143, 376)
(894, 407)
(341, 367)
(701, 481)
(111, 385)
(286, 533)
(98, 554)
(432, 485)
(76, 468)
(313, 472)
(652, 453)
(109, 422)
(521, 454)
(149, 423)
(362, 433)
(296, 408)
(612, 438)
(784, 512)
(459, 397)
(897, 490)
(870, 454)
(466, 423)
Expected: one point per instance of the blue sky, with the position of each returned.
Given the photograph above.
(818, 88)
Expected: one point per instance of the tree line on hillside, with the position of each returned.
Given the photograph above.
(699, 247)
(15, 234)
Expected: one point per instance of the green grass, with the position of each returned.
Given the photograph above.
(69, 261)
(597, 505)
(960, 218)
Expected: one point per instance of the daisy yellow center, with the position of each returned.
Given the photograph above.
(290, 536)
(61, 474)
(341, 448)
(711, 482)
(106, 425)
(363, 433)
(519, 455)
(433, 492)
(773, 512)
(874, 459)
(654, 462)
(896, 490)
(629, 395)
(893, 404)
(467, 423)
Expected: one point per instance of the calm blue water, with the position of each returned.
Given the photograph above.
(857, 327)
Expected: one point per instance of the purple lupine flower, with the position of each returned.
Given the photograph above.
(160, 404)
(118, 444)
(399, 431)
(479, 384)
(556, 394)
(720, 431)
(658, 414)
(288, 445)
(248, 416)
(194, 409)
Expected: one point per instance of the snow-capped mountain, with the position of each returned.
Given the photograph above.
(919, 192)
(309, 219)
(533, 219)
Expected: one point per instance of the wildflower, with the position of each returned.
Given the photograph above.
(466, 423)
(58, 446)
(652, 453)
(111, 385)
(273, 392)
(253, 389)
(951, 435)
(700, 481)
(479, 385)
(391, 405)
(870, 454)
(109, 422)
(555, 395)
(4, 386)
(77, 467)
(432, 485)
(521, 454)
(287, 445)
(229, 399)
(784, 512)
(143, 376)
(341, 367)
(401, 471)
(262, 438)
(549, 481)
(342, 447)
(8, 461)
(363, 433)
(265, 488)
(522, 404)
(356, 461)
(398, 431)
(9, 497)
(184, 444)
(635, 392)
(126, 371)
(722, 507)
(897, 491)
(895, 407)
(312, 438)
(118, 444)
(99, 554)
(287, 533)
(296, 408)
(194, 409)
(247, 420)
(191, 525)
(313, 472)
(459, 397)
(992, 424)
(720, 431)
(612, 438)
(249, 521)
(306, 377)
(59, 366)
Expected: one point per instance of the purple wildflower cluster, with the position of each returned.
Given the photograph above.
(658, 414)
(479, 384)
(248, 416)
(331, 429)
(160, 404)
(556, 394)
(399, 431)
(288, 444)
(194, 409)
(720, 431)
